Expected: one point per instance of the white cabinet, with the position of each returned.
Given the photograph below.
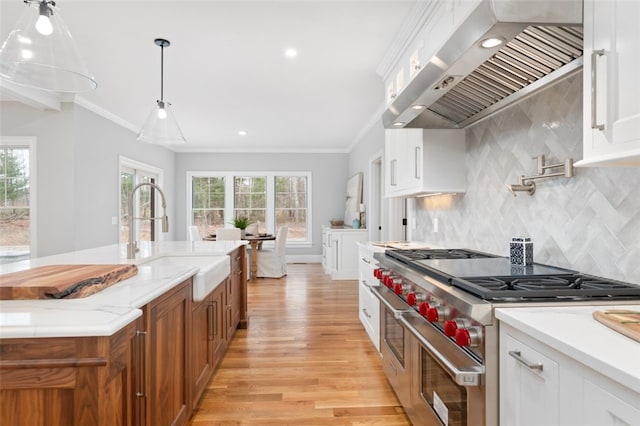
(528, 381)
(541, 385)
(420, 161)
(340, 252)
(368, 304)
(611, 91)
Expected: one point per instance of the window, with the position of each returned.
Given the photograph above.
(291, 205)
(133, 173)
(250, 198)
(270, 200)
(207, 200)
(16, 195)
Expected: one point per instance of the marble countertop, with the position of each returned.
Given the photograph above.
(106, 312)
(573, 331)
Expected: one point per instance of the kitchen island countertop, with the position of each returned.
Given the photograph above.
(106, 312)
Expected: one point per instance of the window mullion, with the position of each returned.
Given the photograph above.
(271, 203)
(229, 198)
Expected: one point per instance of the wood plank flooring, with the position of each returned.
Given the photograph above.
(304, 360)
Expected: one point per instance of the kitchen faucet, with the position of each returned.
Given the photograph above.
(131, 244)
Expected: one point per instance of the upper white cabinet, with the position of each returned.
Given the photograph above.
(440, 19)
(611, 89)
(420, 162)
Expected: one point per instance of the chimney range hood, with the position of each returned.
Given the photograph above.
(464, 82)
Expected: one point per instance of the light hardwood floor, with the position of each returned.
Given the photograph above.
(304, 360)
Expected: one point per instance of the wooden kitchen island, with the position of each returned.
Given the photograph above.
(138, 353)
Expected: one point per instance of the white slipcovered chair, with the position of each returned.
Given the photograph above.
(226, 234)
(272, 263)
(194, 234)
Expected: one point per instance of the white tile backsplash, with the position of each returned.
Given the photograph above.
(590, 222)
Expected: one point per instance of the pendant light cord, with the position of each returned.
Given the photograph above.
(161, 73)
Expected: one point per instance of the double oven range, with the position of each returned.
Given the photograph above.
(439, 336)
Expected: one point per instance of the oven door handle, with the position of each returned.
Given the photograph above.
(465, 377)
(397, 313)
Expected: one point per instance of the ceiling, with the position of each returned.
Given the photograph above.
(226, 71)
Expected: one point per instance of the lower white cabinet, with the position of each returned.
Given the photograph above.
(340, 252)
(528, 381)
(368, 304)
(540, 385)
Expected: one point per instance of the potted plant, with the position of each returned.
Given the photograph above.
(241, 222)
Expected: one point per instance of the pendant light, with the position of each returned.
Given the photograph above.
(41, 53)
(161, 126)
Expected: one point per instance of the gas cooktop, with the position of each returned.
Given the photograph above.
(407, 256)
(494, 278)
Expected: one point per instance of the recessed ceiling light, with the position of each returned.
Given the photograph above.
(418, 107)
(491, 42)
(290, 52)
(243, 132)
(399, 123)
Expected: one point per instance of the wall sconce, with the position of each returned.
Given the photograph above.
(527, 184)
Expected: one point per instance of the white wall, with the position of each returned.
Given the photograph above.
(77, 173)
(328, 174)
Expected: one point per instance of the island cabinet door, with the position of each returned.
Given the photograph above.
(68, 380)
(202, 334)
(168, 335)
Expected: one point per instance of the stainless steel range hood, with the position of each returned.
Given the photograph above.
(464, 82)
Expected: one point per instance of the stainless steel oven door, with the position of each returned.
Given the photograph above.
(447, 384)
(395, 345)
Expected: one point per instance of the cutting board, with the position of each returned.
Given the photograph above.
(62, 281)
(622, 321)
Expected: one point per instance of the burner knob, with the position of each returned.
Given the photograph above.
(413, 298)
(401, 288)
(468, 337)
(437, 313)
(451, 326)
(386, 279)
(423, 308)
(377, 273)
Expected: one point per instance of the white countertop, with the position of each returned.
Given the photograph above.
(106, 312)
(573, 331)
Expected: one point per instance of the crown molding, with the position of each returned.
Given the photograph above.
(35, 98)
(105, 114)
(411, 27)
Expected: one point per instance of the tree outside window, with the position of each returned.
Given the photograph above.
(250, 198)
(291, 205)
(207, 204)
(15, 220)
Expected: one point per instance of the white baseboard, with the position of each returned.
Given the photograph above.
(304, 258)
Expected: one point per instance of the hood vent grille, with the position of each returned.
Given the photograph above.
(531, 55)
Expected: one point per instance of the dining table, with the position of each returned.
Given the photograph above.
(255, 241)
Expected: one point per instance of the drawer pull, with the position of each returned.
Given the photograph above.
(366, 314)
(365, 260)
(518, 357)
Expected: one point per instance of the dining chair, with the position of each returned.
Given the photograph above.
(194, 233)
(273, 263)
(223, 234)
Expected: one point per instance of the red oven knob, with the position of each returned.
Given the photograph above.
(437, 313)
(450, 328)
(400, 288)
(468, 337)
(423, 308)
(413, 298)
(377, 273)
(387, 280)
